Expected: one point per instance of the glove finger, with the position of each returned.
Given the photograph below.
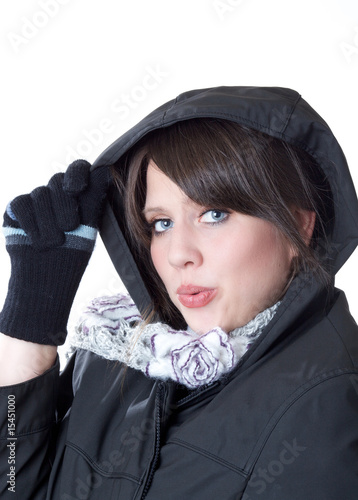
(92, 200)
(50, 235)
(77, 177)
(9, 218)
(22, 209)
(64, 205)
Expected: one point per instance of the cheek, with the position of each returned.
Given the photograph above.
(272, 247)
(264, 260)
(275, 258)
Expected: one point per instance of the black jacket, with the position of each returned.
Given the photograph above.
(283, 425)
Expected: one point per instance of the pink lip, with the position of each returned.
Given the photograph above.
(195, 296)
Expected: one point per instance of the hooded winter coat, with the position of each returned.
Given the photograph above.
(282, 425)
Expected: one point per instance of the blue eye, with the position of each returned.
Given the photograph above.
(214, 216)
(162, 225)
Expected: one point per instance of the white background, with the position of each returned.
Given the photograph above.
(71, 67)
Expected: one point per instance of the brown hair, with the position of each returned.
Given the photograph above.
(221, 164)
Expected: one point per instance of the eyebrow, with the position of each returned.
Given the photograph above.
(148, 210)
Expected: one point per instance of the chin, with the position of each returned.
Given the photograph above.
(201, 327)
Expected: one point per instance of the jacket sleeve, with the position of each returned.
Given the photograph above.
(311, 448)
(27, 423)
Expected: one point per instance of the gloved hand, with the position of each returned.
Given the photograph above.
(50, 235)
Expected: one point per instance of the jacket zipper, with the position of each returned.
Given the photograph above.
(158, 418)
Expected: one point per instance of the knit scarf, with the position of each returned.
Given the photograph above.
(113, 328)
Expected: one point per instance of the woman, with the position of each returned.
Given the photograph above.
(229, 213)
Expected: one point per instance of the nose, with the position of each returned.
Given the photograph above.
(184, 247)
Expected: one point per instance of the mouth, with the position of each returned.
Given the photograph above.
(195, 296)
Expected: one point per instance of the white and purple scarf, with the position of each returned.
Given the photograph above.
(113, 328)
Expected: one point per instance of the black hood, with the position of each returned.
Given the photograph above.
(278, 112)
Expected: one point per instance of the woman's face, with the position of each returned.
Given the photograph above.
(219, 268)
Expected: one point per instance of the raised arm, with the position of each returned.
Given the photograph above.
(21, 360)
(50, 235)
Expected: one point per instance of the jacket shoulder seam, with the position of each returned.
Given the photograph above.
(287, 404)
(341, 339)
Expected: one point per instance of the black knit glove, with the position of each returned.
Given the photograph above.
(50, 234)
